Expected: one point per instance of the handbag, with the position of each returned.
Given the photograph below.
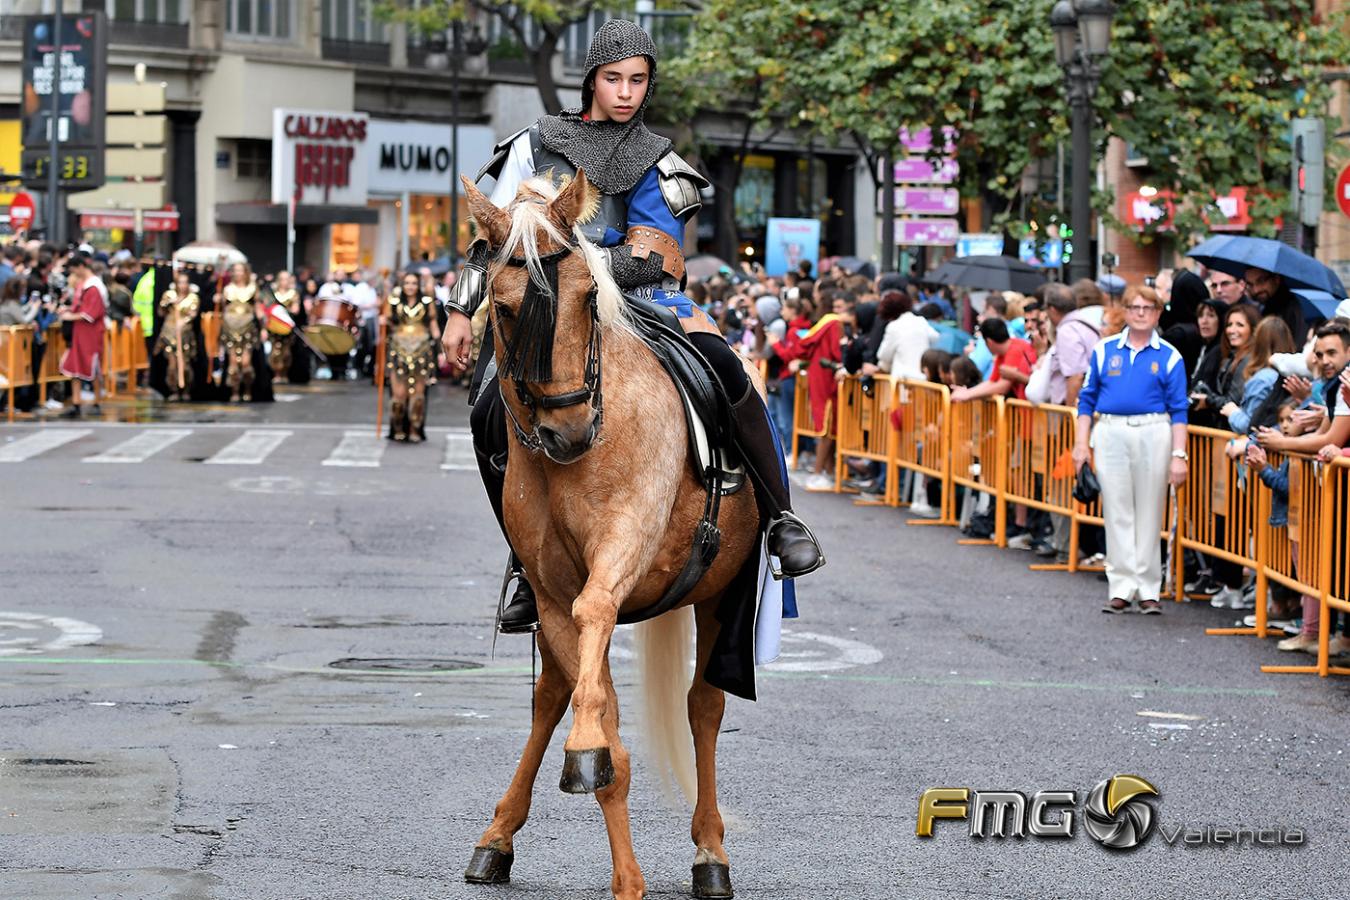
(1086, 488)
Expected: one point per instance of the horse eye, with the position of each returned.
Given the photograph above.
(504, 312)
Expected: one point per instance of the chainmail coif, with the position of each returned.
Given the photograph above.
(614, 155)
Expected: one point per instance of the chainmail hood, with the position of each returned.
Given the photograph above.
(615, 155)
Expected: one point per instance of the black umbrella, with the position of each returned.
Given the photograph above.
(988, 273)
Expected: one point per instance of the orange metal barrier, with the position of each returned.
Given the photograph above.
(922, 441)
(802, 424)
(978, 456)
(50, 370)
(16, 361)
(865, 430)
(1319, 508)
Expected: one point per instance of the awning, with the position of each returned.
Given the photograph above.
(275, 214)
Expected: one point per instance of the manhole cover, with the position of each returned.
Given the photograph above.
(405, 665)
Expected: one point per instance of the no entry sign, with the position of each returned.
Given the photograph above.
(1343, 190)
(21, 212)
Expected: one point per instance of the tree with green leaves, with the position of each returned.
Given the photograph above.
(1205, 88)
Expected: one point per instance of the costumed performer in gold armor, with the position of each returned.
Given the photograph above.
(179, 307)
(239, 332)
(283, 342)
(413, 335)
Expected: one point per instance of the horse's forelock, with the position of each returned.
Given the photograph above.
(529, 219)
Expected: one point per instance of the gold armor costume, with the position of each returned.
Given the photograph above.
(239, 335)
(412, 360)
(283, 344)
(177, 339)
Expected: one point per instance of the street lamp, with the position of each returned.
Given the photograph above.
(471, 44)
(1082, 31)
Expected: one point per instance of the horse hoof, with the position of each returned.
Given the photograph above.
(489, 866)
(712, 880)
(586, 771)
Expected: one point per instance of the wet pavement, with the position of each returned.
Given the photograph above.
(276, 678)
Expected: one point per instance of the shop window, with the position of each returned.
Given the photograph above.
(260, 18)
(253, 159)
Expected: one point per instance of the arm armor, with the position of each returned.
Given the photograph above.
(471, 287)
(647, 256)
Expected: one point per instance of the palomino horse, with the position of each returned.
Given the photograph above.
(601, 508)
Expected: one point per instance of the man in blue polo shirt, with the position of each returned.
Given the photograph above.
(1136, 384)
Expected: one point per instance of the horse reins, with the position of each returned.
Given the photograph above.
(593, 381)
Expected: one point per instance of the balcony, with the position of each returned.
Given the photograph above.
(356, 52)
(148, 34)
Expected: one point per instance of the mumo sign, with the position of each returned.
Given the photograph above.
(417, 157)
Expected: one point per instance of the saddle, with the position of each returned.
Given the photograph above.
(706, 408)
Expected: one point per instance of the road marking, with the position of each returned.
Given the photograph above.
(846, 653)
(71, 633)
(249, 449)
(357, 448)
(141, 447)
(459, 454)
(40, 442)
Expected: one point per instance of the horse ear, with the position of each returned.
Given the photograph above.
(492, 219)
(575, 203)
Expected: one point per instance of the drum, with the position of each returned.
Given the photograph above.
(333, 325)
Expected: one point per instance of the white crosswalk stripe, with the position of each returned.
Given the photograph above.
(361, 449)
(249, 449)
(40, 442)
(141, 447)
(459, 454)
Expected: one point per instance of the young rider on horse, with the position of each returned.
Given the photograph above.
(648, 194)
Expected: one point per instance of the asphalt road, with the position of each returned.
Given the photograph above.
(171, 724)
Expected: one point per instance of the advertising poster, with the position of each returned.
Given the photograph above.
(789, 241)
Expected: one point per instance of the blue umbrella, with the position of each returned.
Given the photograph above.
(1317, 304)
(1235, 254)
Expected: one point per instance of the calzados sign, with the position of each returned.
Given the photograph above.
(319, 158)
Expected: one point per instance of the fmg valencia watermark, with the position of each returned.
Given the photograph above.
(1120, 813)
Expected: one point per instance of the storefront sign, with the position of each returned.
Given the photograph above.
(416, 157)
(319, 157)
(979, 244)
(1140, 210)
(1236, 209)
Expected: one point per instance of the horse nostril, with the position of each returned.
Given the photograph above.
(554, 442)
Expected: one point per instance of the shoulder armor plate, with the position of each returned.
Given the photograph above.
(500, 151)
(680, 184)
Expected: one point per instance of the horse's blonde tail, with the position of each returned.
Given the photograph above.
(664, 645)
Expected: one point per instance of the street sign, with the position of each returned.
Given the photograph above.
(927, 232)
(135, 96)
(1343, 190)
(21, 211)
(127, 131)
(123, 195)
(925, 201)
(147, 162)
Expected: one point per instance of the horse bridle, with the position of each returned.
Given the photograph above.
(591, 389)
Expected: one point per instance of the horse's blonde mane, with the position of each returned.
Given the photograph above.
(529, 218)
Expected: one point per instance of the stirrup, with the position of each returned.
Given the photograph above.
(777, 571)
(513, 573)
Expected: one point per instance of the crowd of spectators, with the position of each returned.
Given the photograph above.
(1256, 363)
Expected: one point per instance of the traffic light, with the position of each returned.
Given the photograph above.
(1309, 170)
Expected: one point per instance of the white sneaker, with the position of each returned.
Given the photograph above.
(820, 482)
(86, 396)
(54, 404)
(1228, 598)
(1020, 542)
(924, 511)
(1305, 642)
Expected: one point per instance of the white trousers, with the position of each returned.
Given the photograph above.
(1132, 463)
